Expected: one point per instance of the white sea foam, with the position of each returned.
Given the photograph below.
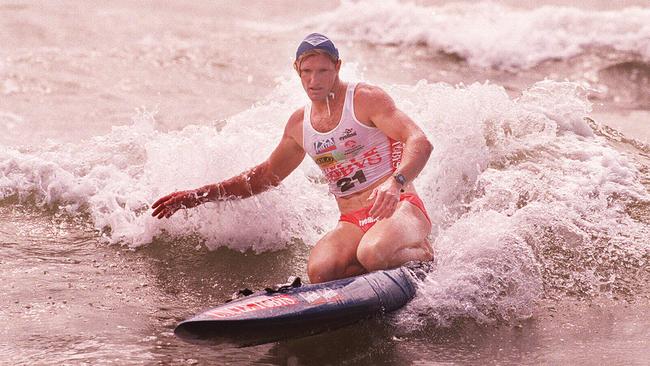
(485, 271)
(529, 202)
(115, 178)
(513, 185)
(491, 34)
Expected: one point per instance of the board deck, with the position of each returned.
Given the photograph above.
(268, 316)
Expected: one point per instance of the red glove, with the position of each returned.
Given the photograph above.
(168, 205)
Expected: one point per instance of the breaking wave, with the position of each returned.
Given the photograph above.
(488, 34)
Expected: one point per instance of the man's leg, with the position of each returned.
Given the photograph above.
(335, 254)
(396, 240)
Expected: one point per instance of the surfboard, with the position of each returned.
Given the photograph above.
(301, 310)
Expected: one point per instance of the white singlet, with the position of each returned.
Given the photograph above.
(352, 156)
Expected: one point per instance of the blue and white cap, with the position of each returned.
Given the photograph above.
(317, 41)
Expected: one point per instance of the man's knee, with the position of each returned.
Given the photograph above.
(385, 255)
(320, 270)
(323, 269)
(372, 256)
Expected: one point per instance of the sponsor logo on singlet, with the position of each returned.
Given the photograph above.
(348, 133)
(338, 155)
(353, 151)
(329, 159)
(325, 160)
(343, 169)
(396, 148)
(324, 146)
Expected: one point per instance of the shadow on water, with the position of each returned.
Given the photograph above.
(379, 342)
(369, 342)
(187, 270)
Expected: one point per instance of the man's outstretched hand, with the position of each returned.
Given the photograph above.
(168, 205)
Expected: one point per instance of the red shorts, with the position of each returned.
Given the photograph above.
(364, 221)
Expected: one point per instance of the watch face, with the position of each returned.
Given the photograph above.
(400, 179)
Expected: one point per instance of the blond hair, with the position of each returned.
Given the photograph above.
(313, 52)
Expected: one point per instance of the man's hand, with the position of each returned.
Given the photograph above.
(386, 197)
(168, 205)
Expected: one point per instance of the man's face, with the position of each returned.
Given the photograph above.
(318, 74)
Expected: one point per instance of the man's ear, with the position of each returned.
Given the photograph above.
(295, 67)
(338, 65)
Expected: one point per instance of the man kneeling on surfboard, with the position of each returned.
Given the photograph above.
(369, 152)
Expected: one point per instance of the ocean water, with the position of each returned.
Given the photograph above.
(538, 185)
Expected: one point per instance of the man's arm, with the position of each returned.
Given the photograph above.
(283, 160)
(398, 126)
(376, 106)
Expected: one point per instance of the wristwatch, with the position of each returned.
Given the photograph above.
(399, 178)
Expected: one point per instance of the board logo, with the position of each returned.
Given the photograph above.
(348, 133)
(324, 146)
(321, 296)
(255, 304)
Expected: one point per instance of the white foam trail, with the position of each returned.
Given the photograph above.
(519, 186)
(488, 34)
(484, 272)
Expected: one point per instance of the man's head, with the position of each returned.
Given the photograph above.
(317, 63)
(317, 41)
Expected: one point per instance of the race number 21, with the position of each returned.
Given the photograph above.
(349, 182)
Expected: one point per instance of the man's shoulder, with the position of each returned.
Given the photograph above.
(294, 124)
(372, 97)
(296, 117)
(369, 93)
